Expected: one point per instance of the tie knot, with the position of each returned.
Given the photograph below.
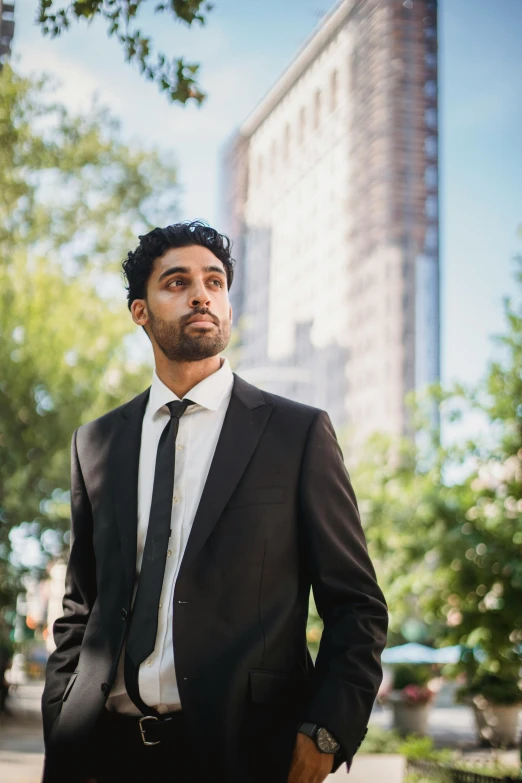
(178, 407)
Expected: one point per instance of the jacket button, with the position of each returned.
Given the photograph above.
(123, 614)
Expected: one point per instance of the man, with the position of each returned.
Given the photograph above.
(202, 513)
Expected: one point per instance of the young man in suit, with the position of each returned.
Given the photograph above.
(202, 512)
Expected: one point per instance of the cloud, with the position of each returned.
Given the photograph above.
(76, 82)
(89, 63)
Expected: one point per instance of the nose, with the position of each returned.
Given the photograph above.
(198, 295)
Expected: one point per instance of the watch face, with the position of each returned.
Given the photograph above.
(325, 741)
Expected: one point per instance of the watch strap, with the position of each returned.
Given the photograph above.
(311, 729)
(308, 728)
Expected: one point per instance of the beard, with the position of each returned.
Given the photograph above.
(180, 344)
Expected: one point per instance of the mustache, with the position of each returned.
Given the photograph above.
(200, 311)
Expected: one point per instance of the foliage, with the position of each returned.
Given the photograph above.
(379, 740)
(443, 520)
(409, 685)
(314, 628)
(68, 186)
(438, 771)
(495, 769)
(176, 77)
(416, 695)
(421, 777)
(423, 749)
(72, 199)
(410, 674)
(495, 689)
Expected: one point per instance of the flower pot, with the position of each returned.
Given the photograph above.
(410, 719)
(497, 724)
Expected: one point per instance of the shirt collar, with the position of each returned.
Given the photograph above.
(208, 393)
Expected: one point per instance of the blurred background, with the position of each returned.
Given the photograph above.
(365, 157)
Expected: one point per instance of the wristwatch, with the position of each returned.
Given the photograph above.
(323, 739)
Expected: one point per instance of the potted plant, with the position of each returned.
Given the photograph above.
(410, 698)
(496, 701)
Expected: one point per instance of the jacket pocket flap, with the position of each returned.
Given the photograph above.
(70, 685)
(257, 495)
(267, 687)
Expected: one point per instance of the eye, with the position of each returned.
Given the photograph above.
(219, 282)
(176, 280)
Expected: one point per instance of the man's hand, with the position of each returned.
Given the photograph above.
(309, 765)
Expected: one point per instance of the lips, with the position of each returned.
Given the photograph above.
(200, 320)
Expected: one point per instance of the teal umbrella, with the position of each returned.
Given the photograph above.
(412, 652)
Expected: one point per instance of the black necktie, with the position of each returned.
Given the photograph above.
(143, 626)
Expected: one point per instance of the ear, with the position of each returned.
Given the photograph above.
(139, 312)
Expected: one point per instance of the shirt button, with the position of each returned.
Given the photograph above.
(169, 552)
(180, 447)
(150, 662)
(160, 604)
(175, 499)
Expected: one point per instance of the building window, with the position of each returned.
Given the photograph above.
(430, 117)
(431, 207)
(430, 60)
(334, 90)
(302, 124)
(431, 239)
(286, 143)
(430, 89)
(430, 146)
(317, 109)
(273, 156)
(430, 176)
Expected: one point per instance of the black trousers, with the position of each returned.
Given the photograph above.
(117, 753)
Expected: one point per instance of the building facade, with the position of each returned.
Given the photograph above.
(7, 26)
(331, 195)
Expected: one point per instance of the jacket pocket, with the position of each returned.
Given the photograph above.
(253, 496)
(70, 685)
(274, 687)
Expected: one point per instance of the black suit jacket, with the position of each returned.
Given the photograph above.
(277, 515)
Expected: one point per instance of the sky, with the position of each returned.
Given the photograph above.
(245, 46)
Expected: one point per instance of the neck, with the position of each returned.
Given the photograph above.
(181, 377)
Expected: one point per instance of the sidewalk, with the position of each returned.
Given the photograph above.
(450, 727)
(372, 769)
(21, 747)
(21, 739)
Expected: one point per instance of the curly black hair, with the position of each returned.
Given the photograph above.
(138, 264)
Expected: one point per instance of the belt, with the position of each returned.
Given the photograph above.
(148, 728)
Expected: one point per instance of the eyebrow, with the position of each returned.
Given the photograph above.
(185, 270)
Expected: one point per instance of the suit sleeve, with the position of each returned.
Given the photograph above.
(78, 599)
(353, 609)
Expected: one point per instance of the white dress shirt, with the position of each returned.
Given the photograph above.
(198, 433)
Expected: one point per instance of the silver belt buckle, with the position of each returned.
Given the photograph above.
(142, 729)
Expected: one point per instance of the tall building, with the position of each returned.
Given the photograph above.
(6, 30)
(330, 189)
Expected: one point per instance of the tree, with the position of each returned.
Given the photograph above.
(443, 521)
(176, 77)
(73, 198)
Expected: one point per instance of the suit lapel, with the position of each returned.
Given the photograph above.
(124, 465)
(245, 420)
